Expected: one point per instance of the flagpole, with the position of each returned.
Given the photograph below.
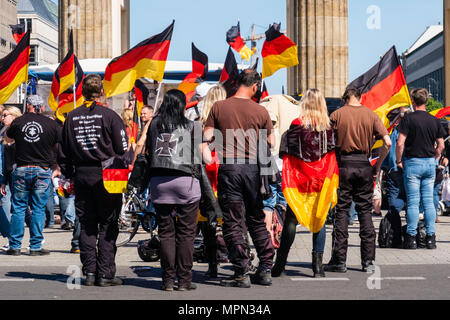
(157, 97)
(74, 96)
(25, 95)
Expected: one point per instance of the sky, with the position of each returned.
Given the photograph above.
(374, 27)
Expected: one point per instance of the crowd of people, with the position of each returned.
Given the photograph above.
(226, 135)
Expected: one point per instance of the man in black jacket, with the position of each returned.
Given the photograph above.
(92, 134)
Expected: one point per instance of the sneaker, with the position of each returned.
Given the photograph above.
(167, 287)
(75, 249)
(187, 287)
(42, 252)
(368, 266)
(262, 277)
(431, 241)
(240, 281)
(5, 247)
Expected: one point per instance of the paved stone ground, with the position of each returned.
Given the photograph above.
(58, 242)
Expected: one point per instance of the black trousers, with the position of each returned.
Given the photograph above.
(356, 183)
(242, 206)
(176, 230)
(98, 212)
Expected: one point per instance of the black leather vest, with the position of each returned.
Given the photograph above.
(173, 149)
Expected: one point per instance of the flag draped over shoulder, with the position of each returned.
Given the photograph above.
(18, 31)
(278, 51)
(66, 103)
(309, 187)
(64, 76)
(384, 88)
(234, 39)
(145, 60)
(14, 68)
(142, 93)
(198, 74)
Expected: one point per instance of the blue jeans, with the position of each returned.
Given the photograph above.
(67, 207)
(50, 207)
(352, 214)
(395, 189)
(419, 175)
(5, 213)
(277, 198)
(31, 186)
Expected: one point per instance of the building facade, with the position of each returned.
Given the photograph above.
(101, 28)
(41, 17)
(423, 63)
(8, 16)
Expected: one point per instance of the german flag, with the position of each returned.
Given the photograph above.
(262, 94)
(384, 89)
(115, 174)
(18, 31)
(142, 93)
(14, 68)
(234, 39)
(64, 77)
(278, 51)
(145, 60)
(230, 70)
(198, 74)
(309, 187)
(66, 103)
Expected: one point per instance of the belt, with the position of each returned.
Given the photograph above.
(32, 166)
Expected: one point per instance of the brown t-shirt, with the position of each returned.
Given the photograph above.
(245, 118)
(356, 127)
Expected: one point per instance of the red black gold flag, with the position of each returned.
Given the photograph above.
(66, 103)
(198, 74)
(265, 92)
(18, 31)
(64, 77)
(309, 187)
(234, 39)
(384, 89)
(14, 68)
(142, 93)
(145, 60)
(230, 70)
(278, 51)
(115, 175)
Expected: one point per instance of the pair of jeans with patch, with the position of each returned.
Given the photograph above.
(419, 175)
(31, 186)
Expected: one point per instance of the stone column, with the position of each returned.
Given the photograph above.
(447, 51)
(92, 23)
(320, 29)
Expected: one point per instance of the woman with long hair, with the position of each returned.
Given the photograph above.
(209, 232)
(310, 178)
(8, 155)
(175, 147)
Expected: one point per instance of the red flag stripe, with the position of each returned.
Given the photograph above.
(276, 46)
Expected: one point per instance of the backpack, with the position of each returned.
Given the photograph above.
(389, 235)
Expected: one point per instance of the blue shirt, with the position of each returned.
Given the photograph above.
(391, 159)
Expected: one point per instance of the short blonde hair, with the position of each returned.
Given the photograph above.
(14, 111)
(314, 111)
(216, 93)
(127, 117)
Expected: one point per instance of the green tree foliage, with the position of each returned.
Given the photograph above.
(433, 105)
